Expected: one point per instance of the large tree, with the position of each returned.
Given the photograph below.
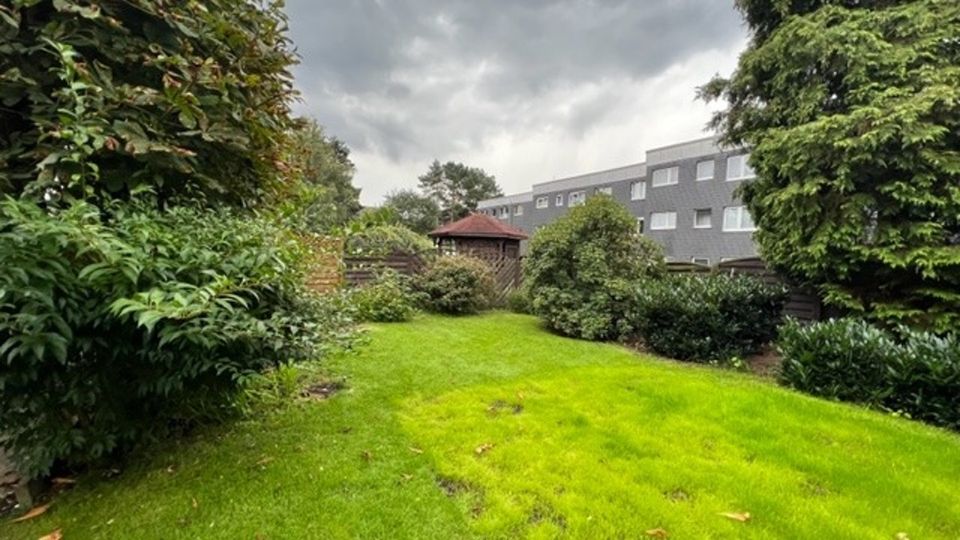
(852, 111)
(326, 197)
(457, 188)
(102, 99)
(417, 212)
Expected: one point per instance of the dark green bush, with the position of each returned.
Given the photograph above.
(582, 269)
(909, 372)
(388, 299)
(115, 329)
(518, 301)
(456, 285)
(704, 318)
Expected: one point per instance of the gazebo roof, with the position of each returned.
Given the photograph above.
(478, 226)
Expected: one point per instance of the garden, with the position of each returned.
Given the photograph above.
(168, 370)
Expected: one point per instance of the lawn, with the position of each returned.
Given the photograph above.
(489, 426)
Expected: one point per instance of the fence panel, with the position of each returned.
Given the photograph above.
(361, 270)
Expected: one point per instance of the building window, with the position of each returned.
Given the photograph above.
(504, 212)
(738, 168)
(640, 225)
(638, 191)
(606, 190)
(518, 210)
(705, 170)
(542, 202)
(559, 201)
(701, 260)
(702, 219)
(666, 177)
(663, 221)
(737, 219)
(577, 197)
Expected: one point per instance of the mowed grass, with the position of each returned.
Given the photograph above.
(491, 427)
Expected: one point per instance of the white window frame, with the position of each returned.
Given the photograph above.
(642, 195)
(543, 202)
(518, 210)
(559, 200)
(672, 177)
(576, 198)
(741, 211)
(696, 213)
(669, 226)
(706, 261)
(744, 171)
(606, 190)
(713, 170)
(640, 225)
(505, 212)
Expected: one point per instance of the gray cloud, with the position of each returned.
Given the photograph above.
(409, 80)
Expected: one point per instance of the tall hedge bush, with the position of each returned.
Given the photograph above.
(102, 99)
(113, 329)
(707, 318)
(911, 372)
(456, 285)
(581, 269)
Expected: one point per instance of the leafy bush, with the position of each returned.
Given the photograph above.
(456, 285)
(104, 99)
(911, 372)
(117, 328)
(388, 299)
(713, 317)
(582, 269)
(384, 240)
(518, 301)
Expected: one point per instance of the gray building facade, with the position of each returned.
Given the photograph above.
(682, 197)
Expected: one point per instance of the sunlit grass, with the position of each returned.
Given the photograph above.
(577, 439)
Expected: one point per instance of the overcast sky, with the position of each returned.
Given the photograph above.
(529, 90)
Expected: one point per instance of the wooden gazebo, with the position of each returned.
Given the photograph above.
(481, 236)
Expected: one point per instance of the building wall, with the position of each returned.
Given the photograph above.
(684, 243)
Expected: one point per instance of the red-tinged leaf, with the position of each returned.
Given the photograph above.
(55, 535)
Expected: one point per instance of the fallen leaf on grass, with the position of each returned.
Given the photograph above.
(658, 533)
(194, 503)
(34, 512)
(742, 517)
(264, 461)
(62, 481)
(55, 535)
(416, 450)
(406, 477)
(902, 536)
(483, 448)
(367, 455)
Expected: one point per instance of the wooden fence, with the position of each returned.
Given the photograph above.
(324, 265)
(361, 270)
(803, 304)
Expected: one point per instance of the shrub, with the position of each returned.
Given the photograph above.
(705, 318)
(388, 299)
(518, 301)
(582, 268)
(911, 372)
(115, 329)
(384, 240)
(456, 285)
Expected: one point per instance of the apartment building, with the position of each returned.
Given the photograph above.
(682, 197)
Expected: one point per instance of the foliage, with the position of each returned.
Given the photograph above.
(323, 197)
(384, 240)
(457, 188)
(853, 113)
(416, 212)
(388, 299)
(100, 100)
(456, 285)
(908, 372)
(115, 328)
(582, 268)
(707, 318)
(518, 301)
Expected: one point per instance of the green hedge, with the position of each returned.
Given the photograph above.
(388, 299)
(456, 285)
(910, 372)
(704, 318)
(115, 328)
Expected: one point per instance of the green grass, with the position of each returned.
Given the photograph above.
(586, 440)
